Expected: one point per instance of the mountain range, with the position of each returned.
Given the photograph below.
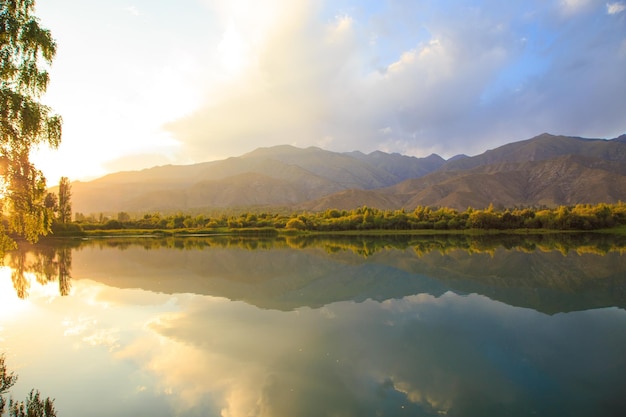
(546, 170)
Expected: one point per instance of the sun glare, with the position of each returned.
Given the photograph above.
(233, 51)
(10, 303)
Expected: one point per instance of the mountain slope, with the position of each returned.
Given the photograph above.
(544, 147)
(566, 180)
(546, 170)
(276, 176)
(401, 166)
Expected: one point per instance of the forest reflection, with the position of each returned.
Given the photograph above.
(365, 246)
(48, 263)
(51, 260)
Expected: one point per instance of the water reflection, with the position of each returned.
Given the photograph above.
(549, 273)
(321, 327)
(416, 356)
(48, 263)
(366, 246)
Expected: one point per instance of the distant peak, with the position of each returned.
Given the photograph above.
(273, 150)
(354, 153)
(434, 156)
(459, 156)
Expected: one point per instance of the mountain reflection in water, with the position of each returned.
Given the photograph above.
(548, 273)
(312, 326)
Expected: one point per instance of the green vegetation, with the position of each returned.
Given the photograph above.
(25, 123)
(34, 406)
(582, 217)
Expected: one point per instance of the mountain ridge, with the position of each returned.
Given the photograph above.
(545, 170)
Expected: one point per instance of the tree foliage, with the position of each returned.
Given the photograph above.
(65, 203)
(34, 406)
(580, 217)
(25, 123)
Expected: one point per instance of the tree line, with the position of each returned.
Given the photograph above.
(578, 217)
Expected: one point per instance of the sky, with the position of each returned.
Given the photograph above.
(141, 83)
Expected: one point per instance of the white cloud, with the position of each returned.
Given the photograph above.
(133, 10)
(218, 78)
(283, 96)
(615, 8)
(570, 7)
(312, 81)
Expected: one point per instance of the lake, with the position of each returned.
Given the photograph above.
(314, 326)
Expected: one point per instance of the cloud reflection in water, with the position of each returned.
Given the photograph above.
(453, 354)
(132, 351)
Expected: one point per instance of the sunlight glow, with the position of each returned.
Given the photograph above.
(233, 51)
(10, 304)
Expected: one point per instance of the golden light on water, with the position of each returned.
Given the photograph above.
(11, 303)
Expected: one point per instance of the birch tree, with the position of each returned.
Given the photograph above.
(26, 49)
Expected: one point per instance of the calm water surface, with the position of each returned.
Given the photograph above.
(416, 326)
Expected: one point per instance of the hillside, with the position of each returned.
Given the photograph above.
(565, 180)
(594, 171)
(544, 147)
(267, 177)
(546, 170)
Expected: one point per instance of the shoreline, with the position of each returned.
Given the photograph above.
(273, 232)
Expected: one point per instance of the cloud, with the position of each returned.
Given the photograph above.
(615, 8)
(407, 78)
(133, 10)
(283, 94)
(570, 7)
